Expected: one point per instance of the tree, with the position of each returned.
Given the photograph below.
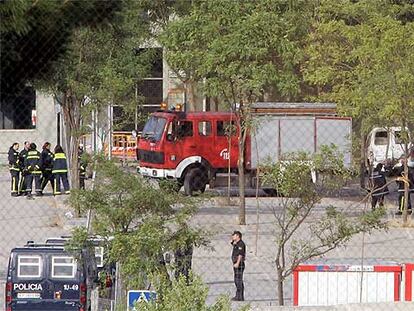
(360, 56)
(99, 69)
(300, 234)
(142, 221)
(36, 33)
(183, 296)
(238, 52)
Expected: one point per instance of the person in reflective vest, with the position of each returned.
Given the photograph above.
(46, 164)
(398, 170)
(410, 165)
(32, 170)
(379, 186)
(14, 167)
(22, 157)
(60, 171)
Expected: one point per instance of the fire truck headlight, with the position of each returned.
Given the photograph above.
(172, 157)
(154, 173)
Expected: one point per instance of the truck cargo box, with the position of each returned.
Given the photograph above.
(326, 282)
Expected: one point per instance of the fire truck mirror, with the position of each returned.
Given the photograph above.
(170, 137)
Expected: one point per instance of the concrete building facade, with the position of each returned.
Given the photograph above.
(42, 126)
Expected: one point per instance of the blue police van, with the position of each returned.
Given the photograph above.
(46, 277)
(97, 242)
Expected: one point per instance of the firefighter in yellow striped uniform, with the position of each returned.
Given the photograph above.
(32, 170)
(60, 171)
(14, 166)
(22, 157)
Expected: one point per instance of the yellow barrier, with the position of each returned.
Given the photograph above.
(123, 145)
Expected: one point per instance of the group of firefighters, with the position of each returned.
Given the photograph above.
(379, 184)
(29, 165)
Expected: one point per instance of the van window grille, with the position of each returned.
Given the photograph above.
(29, 266)
(63, 267)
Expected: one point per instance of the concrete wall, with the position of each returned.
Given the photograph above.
(174, 89)
(45, 128)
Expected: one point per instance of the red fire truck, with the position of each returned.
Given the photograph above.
(193, 148)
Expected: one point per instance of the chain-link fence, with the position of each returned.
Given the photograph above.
(80, 85)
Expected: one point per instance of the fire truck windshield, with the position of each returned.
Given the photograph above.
(154, 128)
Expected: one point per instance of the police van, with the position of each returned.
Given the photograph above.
(46, 277)
(97, 243)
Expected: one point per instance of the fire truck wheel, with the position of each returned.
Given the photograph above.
(195, 180)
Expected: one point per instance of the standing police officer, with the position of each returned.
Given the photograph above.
(14, 167)
(238, 257)
(46, 164)
(32, 169)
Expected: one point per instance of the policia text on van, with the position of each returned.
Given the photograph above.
(46, 277)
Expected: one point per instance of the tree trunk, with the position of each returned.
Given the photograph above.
(242, 197)
(240, 166)
(406, 188)
(71, 115)
(280, 282)
(191, 97)
(362, 167)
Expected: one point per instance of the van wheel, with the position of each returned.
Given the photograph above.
(195, 180)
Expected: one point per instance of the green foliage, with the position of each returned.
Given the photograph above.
(142, 221)
(239, 50)
(186, 297)
(120, 198)
(360, 56)
(36, 33)
(101, 65)
(292, 176)
(303, 230)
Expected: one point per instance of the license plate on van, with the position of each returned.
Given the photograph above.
(28, 295)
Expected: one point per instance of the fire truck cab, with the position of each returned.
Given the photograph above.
(188, 147)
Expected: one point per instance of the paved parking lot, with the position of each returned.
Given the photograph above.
(22, 220)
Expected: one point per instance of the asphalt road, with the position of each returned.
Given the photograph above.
(22, 220)
(214, 265)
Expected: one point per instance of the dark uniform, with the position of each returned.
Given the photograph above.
(378, 183)
(22, 183)
(83, 163)
(183, 258)
(46, 164)
(14, 167)
(239, 248)
(398, 170)
(60, 172)
(32, 170)
(411, 178)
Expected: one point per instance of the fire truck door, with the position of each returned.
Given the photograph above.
(223, 129)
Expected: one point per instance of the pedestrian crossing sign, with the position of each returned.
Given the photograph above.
(136, 297)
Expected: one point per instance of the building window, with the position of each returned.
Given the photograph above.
(18, 111)
(29, 266)
(123, 119)
(150, 89)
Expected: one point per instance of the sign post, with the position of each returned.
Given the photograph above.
(139, 296)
